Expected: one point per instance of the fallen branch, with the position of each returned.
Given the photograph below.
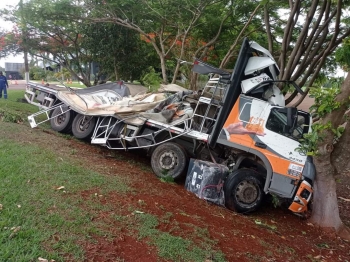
(345, 199)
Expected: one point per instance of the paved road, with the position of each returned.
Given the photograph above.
(21, 84)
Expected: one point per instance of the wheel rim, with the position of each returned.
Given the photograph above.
(59, 120)
(84, 123)
(167, 160)
(247, 192)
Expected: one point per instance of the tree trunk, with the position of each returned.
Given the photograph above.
(163, 68)
(341, 154)
(116, 70)
(176, 72)
(26, 66)
(325, 212)
(325, 207)
(193, 81)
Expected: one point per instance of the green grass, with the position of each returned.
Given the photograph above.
(37, 219)
(16, 110)
(176, 248)
(15, 106)
(32, 203)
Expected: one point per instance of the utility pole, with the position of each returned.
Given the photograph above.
(24, 42)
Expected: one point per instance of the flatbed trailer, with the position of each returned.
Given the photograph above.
(238, 123)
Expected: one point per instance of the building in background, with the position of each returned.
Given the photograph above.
(14, 70)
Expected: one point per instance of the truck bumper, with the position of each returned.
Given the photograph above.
(302, 198)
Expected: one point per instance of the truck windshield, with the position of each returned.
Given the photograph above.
(277, 122)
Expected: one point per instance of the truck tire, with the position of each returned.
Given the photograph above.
(169, 159)
(83, 126)
(62, 123)
(243, 190)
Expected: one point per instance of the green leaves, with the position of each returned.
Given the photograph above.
(151, 79)
(10, 116)
(308, 144)
(338, 131)
(325, 98)
(342, 55)
(264, 2)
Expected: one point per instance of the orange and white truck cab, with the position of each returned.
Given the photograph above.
(270, 132)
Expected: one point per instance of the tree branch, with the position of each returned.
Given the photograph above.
(268, 28)
(238, 38)
(287, 35)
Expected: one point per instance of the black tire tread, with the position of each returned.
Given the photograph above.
(233, 180)
(66, 127)
(180, 169)
(86, 134)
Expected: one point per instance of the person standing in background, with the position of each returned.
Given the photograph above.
(3, 85)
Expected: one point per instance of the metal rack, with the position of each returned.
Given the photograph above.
(216, 90)
(35, 119)
(116, 134)
(128, 137)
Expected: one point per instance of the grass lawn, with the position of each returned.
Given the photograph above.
(44, 211)
(37, 219)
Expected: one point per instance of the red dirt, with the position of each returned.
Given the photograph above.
(239, 237)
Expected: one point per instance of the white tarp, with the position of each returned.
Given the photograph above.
(163, 107)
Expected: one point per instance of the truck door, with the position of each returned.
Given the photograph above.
(279, 145)
(243, 122)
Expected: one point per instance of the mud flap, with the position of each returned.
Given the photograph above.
(302, 198)
(206, 180)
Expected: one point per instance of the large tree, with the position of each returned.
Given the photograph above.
(311, 33)
(9, 43)
(166, 25)
(118, 52)
(341, 153)
(331, 107)
(47, 30)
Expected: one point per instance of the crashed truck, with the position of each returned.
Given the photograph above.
(235, 139)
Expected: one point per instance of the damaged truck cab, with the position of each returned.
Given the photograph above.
(269, 134)
(238, 125)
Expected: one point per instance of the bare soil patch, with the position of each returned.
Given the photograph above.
(271, 234)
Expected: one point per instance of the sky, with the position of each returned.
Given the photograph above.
(8, 26)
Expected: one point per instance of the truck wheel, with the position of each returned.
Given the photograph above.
(243, 191)
(83, 126)
(169, 159)
(62, 123)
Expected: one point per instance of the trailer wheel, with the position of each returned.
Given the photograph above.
(62, 123)
(169, 159)
(83, 126)
(243, 191)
